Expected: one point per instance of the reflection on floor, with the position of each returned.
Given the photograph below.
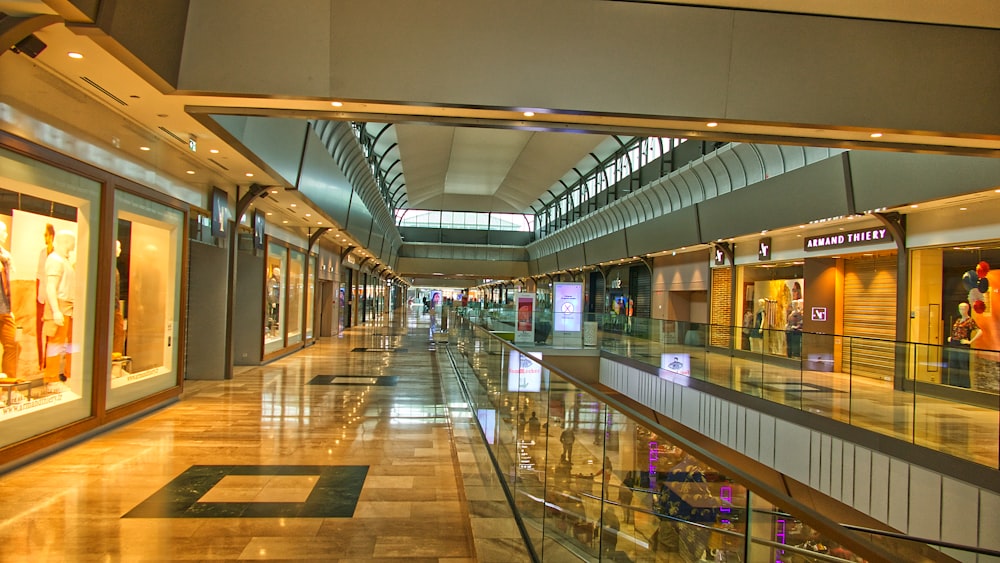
(365, 464)
(965, 431)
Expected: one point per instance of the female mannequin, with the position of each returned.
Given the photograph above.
(793, 330)
(757, 334)
(964, 331)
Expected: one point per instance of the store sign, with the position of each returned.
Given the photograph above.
(720, 257)
(818, 313)
(764, 249)
(850, 238)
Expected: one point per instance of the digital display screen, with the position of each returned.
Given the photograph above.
(567, 305)
(523, 373)
(679, 364)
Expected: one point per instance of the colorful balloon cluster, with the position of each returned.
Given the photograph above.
(975, 281)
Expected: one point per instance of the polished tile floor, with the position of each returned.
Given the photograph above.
(349, 450)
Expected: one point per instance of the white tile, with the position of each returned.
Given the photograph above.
(899, 495)
(766, 455)
(880, 487)
(862, 479)
(791, 450)
(836, 468)
(959, 522)
(989, 520)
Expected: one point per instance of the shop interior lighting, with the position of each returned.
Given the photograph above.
(213, 151)
(711, 124)
(875, 135)
(274, 191)
(249, 174)
(336, 104)
(74, 55)
(190, 171)
(145, 148)
(529, 114)
(914, 206)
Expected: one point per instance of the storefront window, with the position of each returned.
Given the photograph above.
(274, 298)
(772, 299)
(47, 297)
(296, 282)
(311, 297)
(146, 302)
(953, 292)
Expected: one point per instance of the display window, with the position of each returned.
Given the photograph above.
(47, 296)
(146, 301)
(772, 301)
(296, 286)
(311, 295)
(274, 297)
(952, 292)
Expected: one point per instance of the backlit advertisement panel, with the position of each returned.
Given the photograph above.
(523, 373)
(567, 306)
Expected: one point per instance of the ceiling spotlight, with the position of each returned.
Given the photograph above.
(274, 191)
(190, 171)
(269, 213)
(249, 174)
(529, 114)
(144, 148)
(309, 214)
(963, 208)
(293, 205)
(319, 222)
(914, 206)
(875, 135)
(285, 222)
(711, 124)
(74, 55)
(213, 151)
(336, 104)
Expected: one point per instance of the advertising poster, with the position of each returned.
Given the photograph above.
(678, 364)
(567, 306)
(524, 375)
(524, 329)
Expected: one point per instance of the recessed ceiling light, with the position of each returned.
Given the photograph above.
(249, 174)
(529, 114)
(309, 214)
(962, 208)
(145, 148)
(74, 55)
(875, 135)
(286, 222)
(190, 171)
(274, 191)
(711, 124)
(293, 205)
(213, 151)
(914, 206)
(336, 104)
(269, 213)
(319, 222)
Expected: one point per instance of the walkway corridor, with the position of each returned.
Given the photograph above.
(343, 451)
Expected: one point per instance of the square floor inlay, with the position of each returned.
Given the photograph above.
(257, 491)
(383, 381)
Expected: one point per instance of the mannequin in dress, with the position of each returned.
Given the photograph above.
(793, 330)
(8, 328)
(273, 290)
(60, 289)
(964, 331)
(757, 333)
(118, 337)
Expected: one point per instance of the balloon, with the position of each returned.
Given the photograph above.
(982, 269)
(979, 307)
(984, 285)
(970, 279)
(975, 295)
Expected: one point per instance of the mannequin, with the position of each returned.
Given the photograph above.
(273, 290)
(50, 234)
(8, 328)
(793, 330)
(756, 333)
(118, 337)
(60, 289)
(964, 331)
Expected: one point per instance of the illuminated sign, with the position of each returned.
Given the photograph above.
(850, 238)
(524, 375)
(679, 364)
(567, 306)
(764, 249)
(524, 329)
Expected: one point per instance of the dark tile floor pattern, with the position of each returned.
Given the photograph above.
(335, 494)
(380, 381)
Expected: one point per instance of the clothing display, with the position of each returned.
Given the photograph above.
(60, 294)
(963, 332)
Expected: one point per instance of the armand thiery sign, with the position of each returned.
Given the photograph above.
(851, 238)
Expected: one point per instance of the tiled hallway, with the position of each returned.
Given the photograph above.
(269, 466)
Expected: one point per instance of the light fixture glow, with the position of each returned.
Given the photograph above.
(914, 206)
(274, 191)
(213, 151)
(875, 135)
(963, 208)
(529, 114)
(145, 148)
(190, 171)
(74, 55)
(285, 221)
(293, 205)
(269, 213)
(711, 124)
(336, 104)
(249, 174)
(309, 214)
